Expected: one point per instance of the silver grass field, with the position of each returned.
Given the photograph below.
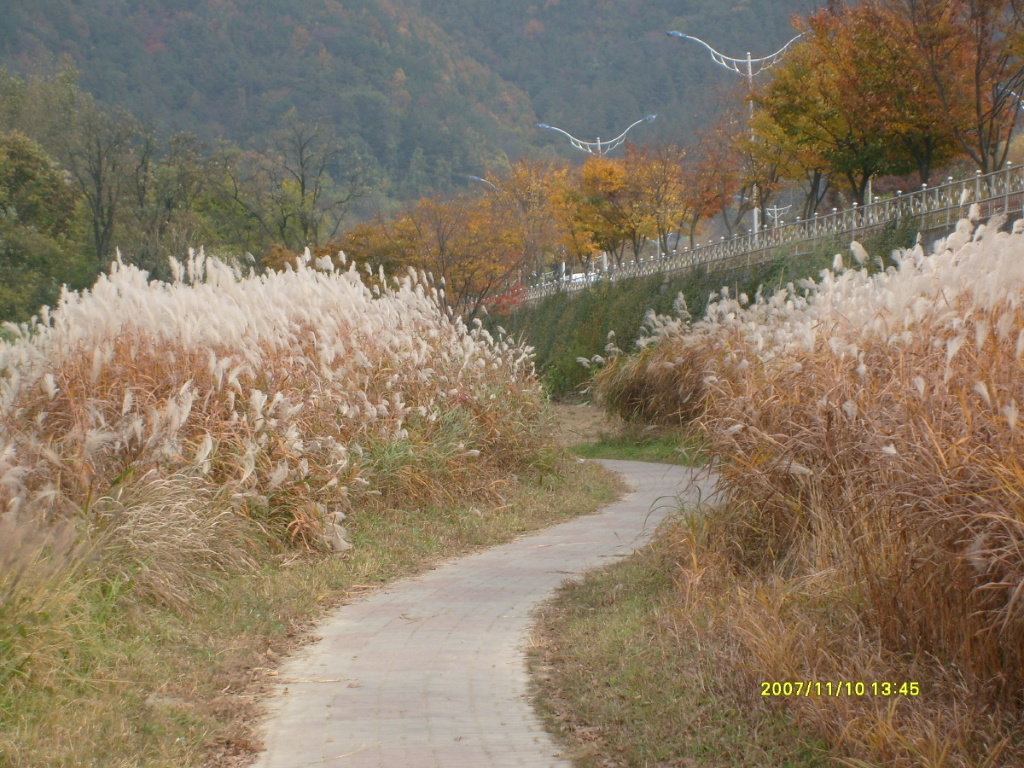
(866, 429)
(157, 440)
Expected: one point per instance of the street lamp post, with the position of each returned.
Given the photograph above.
(599, 148)
(776, 213)
(747, 67)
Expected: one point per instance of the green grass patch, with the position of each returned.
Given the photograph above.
(639, 445)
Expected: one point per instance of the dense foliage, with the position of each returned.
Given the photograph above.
(36, 213)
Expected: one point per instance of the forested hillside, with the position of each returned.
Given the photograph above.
(594, 66)
(421, 88)
(260, 128)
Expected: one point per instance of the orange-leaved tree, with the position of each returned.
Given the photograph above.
(623, 202)
(712, 180)
(809, 101)
(459, 241)
(656, 173)
(523, 204)
(972, 52)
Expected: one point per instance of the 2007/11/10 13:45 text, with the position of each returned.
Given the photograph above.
(839, 688)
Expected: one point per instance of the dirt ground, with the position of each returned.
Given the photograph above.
(576, 424)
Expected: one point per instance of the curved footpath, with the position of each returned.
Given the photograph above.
(430, 671)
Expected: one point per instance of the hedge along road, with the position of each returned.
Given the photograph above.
(431, 671)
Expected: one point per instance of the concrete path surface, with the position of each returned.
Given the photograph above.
(430, 672)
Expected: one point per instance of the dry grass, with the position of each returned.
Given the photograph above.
(580, 423)
(756, 627)
(180, 686)
(162, 445)
(628, 679)
(866, 429)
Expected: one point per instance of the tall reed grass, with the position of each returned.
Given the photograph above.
(148, 431)
(867, 431)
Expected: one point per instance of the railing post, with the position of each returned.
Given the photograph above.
(1006, 189)
(949, 204)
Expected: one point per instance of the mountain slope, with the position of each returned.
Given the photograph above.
(613, 60)
(425, 87)
(231, 68)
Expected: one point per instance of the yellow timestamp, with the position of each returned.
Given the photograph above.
(837, 688)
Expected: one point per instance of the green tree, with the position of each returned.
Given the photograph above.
(40, 106)
(105, 152)
(294, 194)
(36, 210)
(163, 216)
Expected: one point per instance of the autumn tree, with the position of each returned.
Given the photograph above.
(576, 244)
(972, 54)
(888, 78)
(381, 242)
(604, 207)
(623, 202)
(790, 159)
(457, 241)
(657, 172)
(712, 180)
(895, 86)
(317, 180)
(806, 102)
(523, 203)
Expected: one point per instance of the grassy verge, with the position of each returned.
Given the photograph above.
(869, 545)
(636, 443)
(659, 660)
(144, 684)
(173, 454)
(626, 679)
(564, 327)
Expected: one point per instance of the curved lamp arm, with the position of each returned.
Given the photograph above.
(482, 180)
(597, 147)
(745, 67)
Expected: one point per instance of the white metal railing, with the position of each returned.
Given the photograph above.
(937, 208)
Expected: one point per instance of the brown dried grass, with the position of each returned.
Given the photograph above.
(157, 440)
(874, 525)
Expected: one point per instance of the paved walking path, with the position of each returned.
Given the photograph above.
(430, 672)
